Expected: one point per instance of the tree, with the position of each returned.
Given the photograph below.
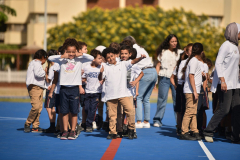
(4, 10)
(149, 25)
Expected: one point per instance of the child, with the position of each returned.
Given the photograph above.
(35, 84)
(116, 46)
(71, 83)
(133, 77)
(93, 88)
(192, 86)
(116, 90)
(50, 102)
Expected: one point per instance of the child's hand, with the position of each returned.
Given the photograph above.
(155, 87)
(102, 69)
(78, 54)
(65, 55)
(50, 95)
(82, 90)
(133, 83)
(143, 56)
(101, 82)
(49, 87)
(137, 94)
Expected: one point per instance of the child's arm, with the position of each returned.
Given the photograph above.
(84, 80)
(55, 81)
(84, 58)
(134, 83)
(136, 60)
(100, 76)
(39, 71)
(172, 81)
(81, 90)
(137, 87)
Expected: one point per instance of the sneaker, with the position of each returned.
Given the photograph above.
(187, 136)
(72, 135)
(138, 125)
(179, 131)
(197, 136)
(94, 125)
(89, 129)
(26, 129)
(209, 139)
(56, 132)
(59, 135)
(83, 126)
(156, 125)
(64, 135)
(120, 135)
(135, 135)
(37, 130)
(78, 130)
(130, 133)
(125, 133)
(112, 136)
(146, 125)
(50, 130)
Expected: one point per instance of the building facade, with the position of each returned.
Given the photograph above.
(27, 28)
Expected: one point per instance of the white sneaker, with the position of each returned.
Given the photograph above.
(138, 125)
(146, 125)
(156, 125)
(94, 125)
(209, 139)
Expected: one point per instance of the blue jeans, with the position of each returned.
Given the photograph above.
(80, 115)
(146, 85)
(163, 88)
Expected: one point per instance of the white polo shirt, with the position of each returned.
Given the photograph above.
(146, 62)
(57, 69)
(193, 67)
(115, 80)
(35, 74)
(180, 74)
(132, 74)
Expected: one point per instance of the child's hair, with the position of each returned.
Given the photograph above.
(130, 38)
(95, 53)
(134, 53)
(61, 50)
(39, 54)
(124, 47)
(70, 42)
(209, 63)
(51, 52)
(183, 56)
(188, 46)
(127, 42)
(81, 44)
(197, 49)
(115, 45)
(203, 57)
(107, 51)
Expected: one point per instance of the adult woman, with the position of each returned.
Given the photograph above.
(146, 85)
(168, 54)
(226, 80)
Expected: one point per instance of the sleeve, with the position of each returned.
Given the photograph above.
(206, 68)
(193, 66)
(175, 71)
(128, 64)
(140, 51)
(55, 58)
(84, 72)
(51, 73)
(137, 70)
(38, 70)
(219, 64)
(85, 58)
(56, 67)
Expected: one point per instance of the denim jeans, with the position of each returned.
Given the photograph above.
(163, 88)
(80, 115)
(146, 85)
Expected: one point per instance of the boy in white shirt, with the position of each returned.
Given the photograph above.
(116, 90)
(71, 82)
(93, 88)
(35, 84)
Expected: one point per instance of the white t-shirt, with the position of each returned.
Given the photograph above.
(103, 98)
(146, 62)
(115, 80)
(57, 69)
(35, 74)
(193, 67)
(91, 74)
(132, 74)
(180, 74)
(168, 62)
(50, 76)
(83, 66)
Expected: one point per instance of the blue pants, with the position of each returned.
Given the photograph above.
(146, 85)
(163, 88)
(91, 103)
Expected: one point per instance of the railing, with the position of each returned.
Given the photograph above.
(13, 76)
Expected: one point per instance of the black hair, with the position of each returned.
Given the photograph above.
(134, 53)
(183, 56)
(70, 42)
(107, 51)
(127, 43)
(39, 54)
(197, 49)
(61, 50)
(51, 52)
(209, 62)
(165, 45)
(81, 44)
(95, 53)
(124, 47)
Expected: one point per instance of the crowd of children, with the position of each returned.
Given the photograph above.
(78, 84)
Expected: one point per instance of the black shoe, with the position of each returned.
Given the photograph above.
(130, 133)
(179, 131)
(50, 130)
(125, 131)
(228, 135)
(112, 136)
(56, 132)
(37, 130)
(78, 130)
(119, 135)
(236, 142)
(135, 135)
(26, 129)
(64, 135)
(89, 129)
(187, 136)
(72, 135)
(105, 126)
(83, 126)
(197, 136)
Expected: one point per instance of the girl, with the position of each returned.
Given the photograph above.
(168, 54)
(192, 86)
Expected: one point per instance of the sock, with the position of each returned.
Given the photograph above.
(52, 124)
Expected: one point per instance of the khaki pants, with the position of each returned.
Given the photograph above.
(112, 113)
(190, 115)
(36, 96)
(121, 115)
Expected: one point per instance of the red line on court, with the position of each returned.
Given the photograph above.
(112, 149)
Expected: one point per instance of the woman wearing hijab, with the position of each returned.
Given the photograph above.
(227, 82)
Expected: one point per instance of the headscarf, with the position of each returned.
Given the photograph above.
(231, 33)
(100, 48)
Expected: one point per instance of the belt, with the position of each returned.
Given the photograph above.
(146, 68)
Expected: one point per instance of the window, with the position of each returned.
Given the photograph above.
(39, 18)
(16, 27)
(215, 21)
